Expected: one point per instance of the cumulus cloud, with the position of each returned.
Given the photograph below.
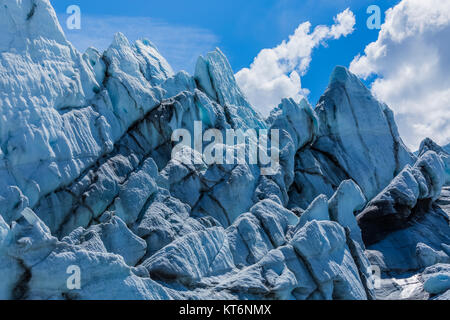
(276, 73)
(411, 59)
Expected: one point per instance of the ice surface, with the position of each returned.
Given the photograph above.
(447, 148)
(430, 145)
(437, 279)
(87, 180)
(357, 139)
(214, 75)
(410, 194)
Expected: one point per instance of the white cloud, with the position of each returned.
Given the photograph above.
(412, 61)
(180, 45)
(276, 73)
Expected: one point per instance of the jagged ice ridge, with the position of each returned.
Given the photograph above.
(87, 179)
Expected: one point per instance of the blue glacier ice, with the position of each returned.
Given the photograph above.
(88, 182)
(447, 148)
(430, 145)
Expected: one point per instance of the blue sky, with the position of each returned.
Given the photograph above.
(239, 28)
(411, 72)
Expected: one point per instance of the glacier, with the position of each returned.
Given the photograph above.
(87, 179)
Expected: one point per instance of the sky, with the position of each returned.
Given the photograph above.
(288, 48)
